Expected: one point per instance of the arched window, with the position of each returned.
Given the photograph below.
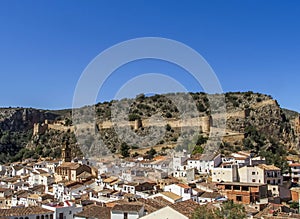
(26, 218)
(42, 217)
(47, 216)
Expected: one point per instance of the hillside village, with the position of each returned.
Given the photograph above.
(254, 174)
(160, 187)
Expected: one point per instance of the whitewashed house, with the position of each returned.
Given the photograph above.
(205, 163)
(40, 177)
(265, 174)
(180, 189)
(225, 173)
(67, 210)
(127, 211)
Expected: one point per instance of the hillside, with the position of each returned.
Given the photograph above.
(255, 122)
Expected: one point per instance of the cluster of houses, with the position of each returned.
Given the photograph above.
(163, 187)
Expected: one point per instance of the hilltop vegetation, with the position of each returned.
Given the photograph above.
(255, 122)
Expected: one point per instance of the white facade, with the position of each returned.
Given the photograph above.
(228, 173)
(205, 163)
(40, 179)
(180, 189)
(124, 213)
(260, 174)
(66, 211)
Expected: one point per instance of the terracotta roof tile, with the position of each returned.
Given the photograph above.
(95, 212)
(24, 211)
(186, 207)
(127, 207)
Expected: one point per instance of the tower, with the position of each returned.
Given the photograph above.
(66, 153)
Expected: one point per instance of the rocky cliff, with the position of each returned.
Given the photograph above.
(254, 122)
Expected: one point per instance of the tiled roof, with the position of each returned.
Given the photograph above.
(294, 165)
(127, 207)
(154, 204)
(41, 171)
(171, 195)
(5, 189)
(210, 195)
(24, 211)
(84, 175)
(183, 186)
(69, 165)
(241, 184)
(17, 168)
(186, 207)
(75, 186)
(34, 196)
(198, 190)
(110, 179)
(268, 167)
(95, 212)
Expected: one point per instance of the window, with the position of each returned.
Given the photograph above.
(253, 173)
(227, 187)
(239, 198)
(125, 215)
(253, 180)
(37, 217)
(70, 212)
(236, 187)
(245, 188)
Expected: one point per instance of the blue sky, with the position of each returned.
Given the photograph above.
(45, 45)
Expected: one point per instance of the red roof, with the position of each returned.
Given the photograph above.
(183, 186)
(294, 165)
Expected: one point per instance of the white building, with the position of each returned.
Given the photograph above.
(205, 163)
(180, 189)
(127, 211)
(169, 196)
(294, 172)
(266, 174)
(63, 211)
(40, 177)
(225, 173)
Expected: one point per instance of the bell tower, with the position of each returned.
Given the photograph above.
(66, 153)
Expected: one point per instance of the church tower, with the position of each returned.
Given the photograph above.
(66, 153)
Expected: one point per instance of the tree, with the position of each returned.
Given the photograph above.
(151, 153)
(230, 210)
(125, 150)
(202, 212)
(133, 117)
(168, 127)
(201, 140)
(198, 150)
